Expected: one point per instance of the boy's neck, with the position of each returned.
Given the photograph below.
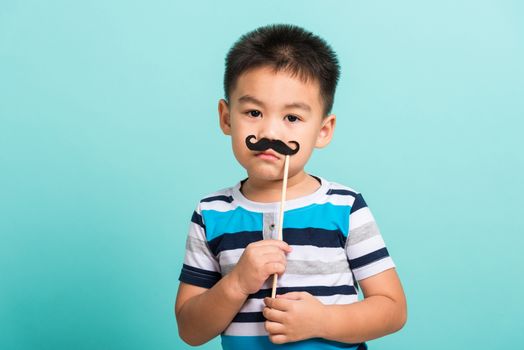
(263, 191)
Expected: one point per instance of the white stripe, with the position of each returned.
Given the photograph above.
(230, 257)
(246, 328)
(196, 231)
(334, 279)
(268, 284)
(359, 218)
(201, 261)
(365, 247)
(374, 268)
(257, 305)
(337, 186)
(308, 253)
(336, 199)
(218, 205)
(339, 299)
(253, 305)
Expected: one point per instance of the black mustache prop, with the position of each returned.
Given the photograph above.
(264, 144)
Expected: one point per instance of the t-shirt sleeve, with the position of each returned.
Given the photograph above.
(201, 267)
(365, 248)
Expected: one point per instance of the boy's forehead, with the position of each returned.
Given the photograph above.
(265, 85)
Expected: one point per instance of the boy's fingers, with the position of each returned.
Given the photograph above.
(275, 256)
(273, 315)
(278, 338)
(275, 267)
(274, 327)
(277, 304)
(274, 242)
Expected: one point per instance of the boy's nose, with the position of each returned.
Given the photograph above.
(269, 129)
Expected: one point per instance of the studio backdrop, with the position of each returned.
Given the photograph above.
(109, 137)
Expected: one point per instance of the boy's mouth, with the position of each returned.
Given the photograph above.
(268, 155)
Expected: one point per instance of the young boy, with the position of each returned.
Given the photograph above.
(279, 84)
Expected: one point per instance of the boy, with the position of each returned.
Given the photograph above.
(279, 85)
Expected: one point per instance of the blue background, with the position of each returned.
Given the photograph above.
(109, 136)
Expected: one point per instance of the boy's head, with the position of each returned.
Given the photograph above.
(289, 48)
(279, 82)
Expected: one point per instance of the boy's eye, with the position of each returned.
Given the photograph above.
(254, 113)
(291, 118)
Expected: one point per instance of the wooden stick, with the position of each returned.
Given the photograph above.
(281, 218)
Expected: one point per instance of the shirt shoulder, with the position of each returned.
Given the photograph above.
(336, 187)
(339, 194)
(221, 200)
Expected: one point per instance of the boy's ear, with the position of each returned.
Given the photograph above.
(327, 129)
(224, 117)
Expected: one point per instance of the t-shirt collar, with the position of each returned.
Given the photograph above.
(315, 197)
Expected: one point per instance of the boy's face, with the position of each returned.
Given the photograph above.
(274, 105)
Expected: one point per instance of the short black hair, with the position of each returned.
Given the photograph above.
(285, 47)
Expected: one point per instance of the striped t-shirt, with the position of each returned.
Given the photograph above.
(335, 241)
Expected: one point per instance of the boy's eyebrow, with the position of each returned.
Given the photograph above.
(299, 105)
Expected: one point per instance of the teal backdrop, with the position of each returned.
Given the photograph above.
(109, 136)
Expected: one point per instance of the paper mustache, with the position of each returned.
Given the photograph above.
(277, 145)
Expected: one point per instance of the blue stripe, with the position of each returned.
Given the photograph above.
(369, 258)
(199, 277)
(232, 241)
(230, 342)
(197, 219)
(237, 220)
(325, 216)
(359, 203)
(227, 199)
(319, 291)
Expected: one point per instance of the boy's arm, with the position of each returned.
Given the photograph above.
(202, 313)
(383, 311)
(297, 316)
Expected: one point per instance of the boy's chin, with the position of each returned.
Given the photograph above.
(265, 176)
(268, 175)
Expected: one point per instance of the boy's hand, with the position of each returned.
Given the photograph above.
(258, 262)
(294, 316)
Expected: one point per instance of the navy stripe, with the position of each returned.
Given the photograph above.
(196, 281)
(314, 236)
(197, 270)
(341, 192)
(359, 203)
(227, 199)
(249, 317)
(197, 219)
(369, 258)
(199, 277)
(230, 241)
(319, 291)
(304, 236)
(317, 178)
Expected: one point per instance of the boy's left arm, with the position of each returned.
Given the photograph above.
(299, 315)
